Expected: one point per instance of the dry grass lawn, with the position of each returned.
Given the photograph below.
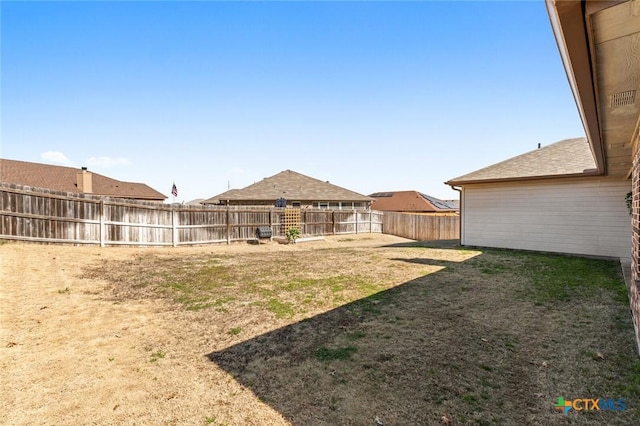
(352, 330)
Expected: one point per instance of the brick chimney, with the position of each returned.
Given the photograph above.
(84, 181)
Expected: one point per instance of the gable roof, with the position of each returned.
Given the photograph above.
(409, 201)
(61, 178)
(569, 157)
(291, 186)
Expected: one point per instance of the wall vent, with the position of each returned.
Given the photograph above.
(625, 98)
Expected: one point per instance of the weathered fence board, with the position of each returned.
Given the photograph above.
(422, 227)
(33, 214)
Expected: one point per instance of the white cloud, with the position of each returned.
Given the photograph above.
(56, 157)
(108, 161)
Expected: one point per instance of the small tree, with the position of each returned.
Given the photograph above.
(292, 235)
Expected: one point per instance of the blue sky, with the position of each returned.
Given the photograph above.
(371, 96)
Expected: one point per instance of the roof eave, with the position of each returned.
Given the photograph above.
(570, 28)
(586, 173)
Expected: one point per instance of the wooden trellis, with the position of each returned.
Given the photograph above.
(291, 219)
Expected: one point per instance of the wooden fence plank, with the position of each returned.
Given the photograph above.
(421, 227)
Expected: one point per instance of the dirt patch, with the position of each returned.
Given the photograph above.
(366, 329)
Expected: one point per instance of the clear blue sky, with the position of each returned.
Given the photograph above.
(372, 96)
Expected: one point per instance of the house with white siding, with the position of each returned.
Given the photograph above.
(551, 199)
(598, 42)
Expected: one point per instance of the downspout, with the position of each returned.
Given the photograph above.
(460, 208)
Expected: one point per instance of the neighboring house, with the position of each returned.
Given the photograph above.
(598, 43)
(196, 202)
(297, 190)
(69, 179)
(410, 202)
(550, 199)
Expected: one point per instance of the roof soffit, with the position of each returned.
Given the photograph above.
(615, 36)
(599, 42)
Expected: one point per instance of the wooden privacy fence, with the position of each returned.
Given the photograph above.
(422, 227)
(30, 214)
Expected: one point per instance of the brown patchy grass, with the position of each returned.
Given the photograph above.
(366, 329)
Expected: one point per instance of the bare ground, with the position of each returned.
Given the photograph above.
(368, 329)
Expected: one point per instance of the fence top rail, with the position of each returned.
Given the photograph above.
(72, 196)
(40, 193)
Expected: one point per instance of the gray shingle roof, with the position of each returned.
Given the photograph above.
(61, 178)
(291, 186)
(569, 157)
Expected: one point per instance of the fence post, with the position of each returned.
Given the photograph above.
(370, 222)
(356, 213)
(102, 224)
(228, 226)
(174, 227)
(333, 221)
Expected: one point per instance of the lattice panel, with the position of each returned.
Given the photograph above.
(291, 219)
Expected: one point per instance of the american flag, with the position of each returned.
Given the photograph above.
(174, 190)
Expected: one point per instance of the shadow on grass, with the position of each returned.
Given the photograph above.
(440, 244)
(407, 355)
(446, 344)
(426, 261)
(351, 364)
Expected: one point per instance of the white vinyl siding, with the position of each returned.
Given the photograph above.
(579, 216)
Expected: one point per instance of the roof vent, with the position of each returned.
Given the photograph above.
(622, 99)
